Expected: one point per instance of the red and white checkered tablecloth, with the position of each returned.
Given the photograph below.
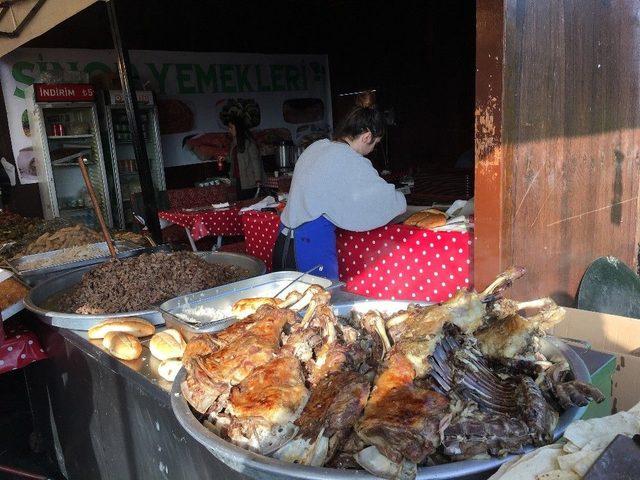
(260, 234)
(20, 348)
(205, 223)
(396, 262)
(281, 183)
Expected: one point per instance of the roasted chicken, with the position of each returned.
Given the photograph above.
(265, 405)
(236, 354)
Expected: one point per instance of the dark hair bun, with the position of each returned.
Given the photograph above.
(361, 120)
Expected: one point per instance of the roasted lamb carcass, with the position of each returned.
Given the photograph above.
(555, 380)
(472, 432)
(417, 331)
(265, 404)
(315, 340)
(466, 310)
(303, 337)
(233, 356)
(401, 419)
(461, 371)
(339, 370)
(512, 341)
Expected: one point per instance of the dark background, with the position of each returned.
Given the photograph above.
(418, 55)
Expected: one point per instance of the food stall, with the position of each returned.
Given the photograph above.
(134, 420)
(164, 340)
(135, 349)
(113, 414)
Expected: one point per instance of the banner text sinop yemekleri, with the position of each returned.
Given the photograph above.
(280, 96)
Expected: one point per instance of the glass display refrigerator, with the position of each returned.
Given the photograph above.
(122, 165)
(64, 126)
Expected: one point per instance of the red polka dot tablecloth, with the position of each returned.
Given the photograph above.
(260, 234)
(399, 262)
(19, 349)
(205, 223)
(395, 262)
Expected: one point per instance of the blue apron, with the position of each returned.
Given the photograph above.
(315, 243)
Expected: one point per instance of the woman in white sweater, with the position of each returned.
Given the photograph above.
(334, 185)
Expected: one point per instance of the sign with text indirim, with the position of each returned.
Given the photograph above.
(277, 95)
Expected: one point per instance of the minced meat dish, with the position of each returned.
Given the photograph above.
(137, 283)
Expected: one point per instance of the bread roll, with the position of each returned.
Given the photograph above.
(248, 306)
(430, 218)
(122, 345)
(167, 344)
(136, 326)
(168, 369)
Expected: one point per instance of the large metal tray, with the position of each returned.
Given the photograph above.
(37, 275)
(41, 298)
(260, 467)
(223, 298)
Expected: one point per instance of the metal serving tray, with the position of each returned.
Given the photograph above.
(37, 275)
(223, 298)
(260, 467)
(41, 298)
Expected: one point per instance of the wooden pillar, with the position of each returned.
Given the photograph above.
(557, 140)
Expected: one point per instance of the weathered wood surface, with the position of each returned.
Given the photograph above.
(562, 159)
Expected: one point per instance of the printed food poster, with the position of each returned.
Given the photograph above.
(26, 165)
(279, 96)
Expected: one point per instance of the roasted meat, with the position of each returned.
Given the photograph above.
(335, 404)
(266, 403)
(558, 386)
(513, 336)
(458, 380)
(473, 432)
(417, 331)
(460, 369)
(211, 376)
(202, 345)
(402, 419)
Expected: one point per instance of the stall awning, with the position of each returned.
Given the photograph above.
(23, 20)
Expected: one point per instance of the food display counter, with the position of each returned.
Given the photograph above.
(343, 372)
(131, 387)
(113, 419)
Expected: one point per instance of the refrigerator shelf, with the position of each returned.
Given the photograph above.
(69, 137)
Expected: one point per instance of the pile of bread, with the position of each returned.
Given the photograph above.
(121, 338)
(430, 218)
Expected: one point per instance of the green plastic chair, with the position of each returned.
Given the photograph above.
(610, 286)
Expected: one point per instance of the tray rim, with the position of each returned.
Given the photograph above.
(129, 251)
(228, 289)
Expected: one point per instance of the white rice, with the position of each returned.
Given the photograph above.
(203, 314)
